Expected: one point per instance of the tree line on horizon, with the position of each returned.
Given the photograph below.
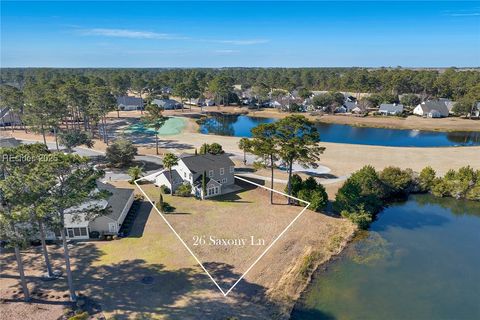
(73, 103)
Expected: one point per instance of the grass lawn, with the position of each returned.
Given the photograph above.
(246, 216)
(150, 275)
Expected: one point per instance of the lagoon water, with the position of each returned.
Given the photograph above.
(241, 126)
(419, 260)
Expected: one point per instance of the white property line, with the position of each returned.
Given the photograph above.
(258, 259)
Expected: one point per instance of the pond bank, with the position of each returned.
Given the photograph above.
(411, 122)
(385, 274)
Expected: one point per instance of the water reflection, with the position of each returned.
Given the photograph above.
(241, 126)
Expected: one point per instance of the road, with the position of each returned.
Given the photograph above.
(152, 163)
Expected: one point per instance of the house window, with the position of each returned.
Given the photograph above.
(83, 231)
(222, 171)
(232, 169)
(184, 174)
(210, 174)
(224, 180)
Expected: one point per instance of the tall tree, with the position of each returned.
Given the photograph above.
(264, 145)
(169, 161)
(12, 216)
(154, 119)
(221, 86)
(244, 144)
(297, 140)
(73, 191)
(101, 102)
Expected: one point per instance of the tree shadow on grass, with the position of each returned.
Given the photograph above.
(134, 288)
(140, 219)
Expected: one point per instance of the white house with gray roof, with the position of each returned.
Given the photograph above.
(78, 227)
(432, 109)
(127, 103)
(391, 109)
(218, 170)
(167, 104)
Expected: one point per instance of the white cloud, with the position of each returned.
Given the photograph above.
(126, 33)
(139, 34)
(225, 51)
(247, 42)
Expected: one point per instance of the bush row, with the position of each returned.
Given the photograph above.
(367, 191)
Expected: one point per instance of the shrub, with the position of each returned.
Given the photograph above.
(164, 189)
(185, 190)
(363, 188)
(81, 316)
(120, 153)
(474, 193)
(426, 179)
(396, 180)
(360, 217)
(442, 188)
(315, 194)
(296, 183)
(319, 199)
(214, 148)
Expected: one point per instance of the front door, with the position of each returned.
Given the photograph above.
(70, 233)
(112, 227)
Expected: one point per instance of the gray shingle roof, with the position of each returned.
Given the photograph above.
(433, 105)
(130, 101)
(8, 142)
(391, 107)
(205, 162)
(117, 200)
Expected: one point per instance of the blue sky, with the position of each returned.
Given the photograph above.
(228, 34)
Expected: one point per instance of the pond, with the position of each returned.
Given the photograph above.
(241, 126)
(419, 260)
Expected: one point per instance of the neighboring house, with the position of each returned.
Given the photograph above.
(449, 103)
(8, 142)
(219, 171)
(275, 104)
(127, 103)
(391, 109)
(9, 118)
(166, 90)
(349, 105)
(432, 109)
(167, 104)
(79, 228)
(359, 109)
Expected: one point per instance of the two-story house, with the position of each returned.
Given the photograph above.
(218, 170)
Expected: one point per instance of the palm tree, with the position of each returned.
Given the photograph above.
(135, 172)
(154, 119)
(169, 161)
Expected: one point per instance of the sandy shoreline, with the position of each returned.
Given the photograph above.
(409, 123)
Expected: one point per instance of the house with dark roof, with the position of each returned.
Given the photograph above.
(79, 227)
(390, 109)
(218, 170)
(9, 118)
(167, 104)
(127, 103)
(432, 109)
(8, 142)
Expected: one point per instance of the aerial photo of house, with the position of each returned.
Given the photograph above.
(236, 160)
